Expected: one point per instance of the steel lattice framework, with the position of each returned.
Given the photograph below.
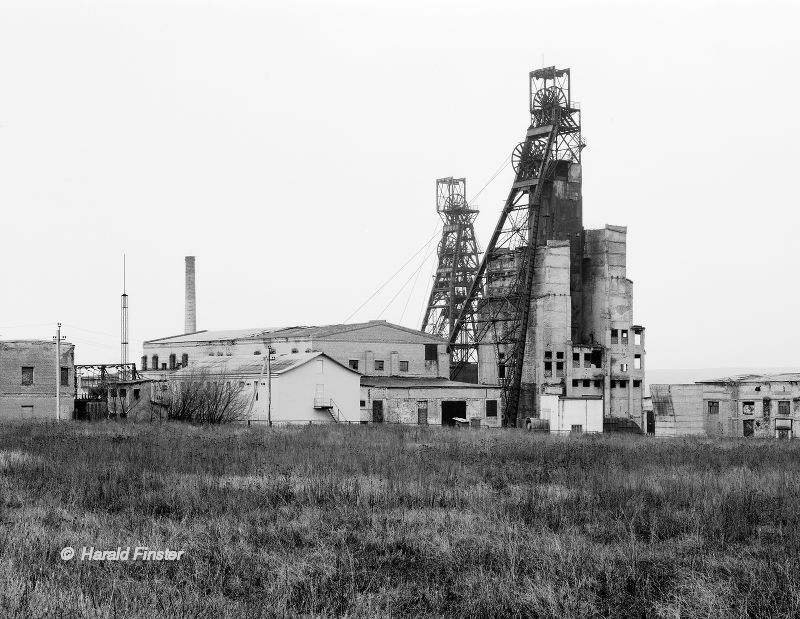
(459, 259)
(497, 306)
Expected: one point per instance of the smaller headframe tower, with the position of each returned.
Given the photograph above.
(458, 264)
(123, 353)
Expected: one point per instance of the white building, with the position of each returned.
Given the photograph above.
(294, 388)
(573, 415)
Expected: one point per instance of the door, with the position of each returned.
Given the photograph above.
(451, 410)
(784, 433)
(747, 427)
(422, 412)
(377, 411)
(319, 396)
(651, 422)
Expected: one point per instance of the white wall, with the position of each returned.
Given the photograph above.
(565, 413)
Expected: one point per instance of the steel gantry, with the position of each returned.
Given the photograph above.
(496, 310)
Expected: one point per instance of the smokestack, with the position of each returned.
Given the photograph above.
(191, 307)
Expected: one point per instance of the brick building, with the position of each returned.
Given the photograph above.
(28, 377)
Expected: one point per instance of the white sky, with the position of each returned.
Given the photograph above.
(293, 148)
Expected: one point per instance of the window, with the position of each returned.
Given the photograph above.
(613, 384)
(491, 408)
(548, 368)
(257, 352)
(597, 358)
(123, 393)
(362, 403)
(320, 363)
(623, 384)
(576, 429)
(713, 408)
(113, 393)
(184, 360)
(431, 352)
(27, 411)
(559, 368)
(623, 367)
(379, 365)
(27, 375)
(747, 427)
(614, 336)
(576, 359)
(637, 383)
(163, 366)
(295, 351)
(637, 337)
(748, 408)
(783, 408)
(559, 355)
(574, 382)
(144, 363)
(548, 354)
(637, 362)
(598, 384)
(172, 361)
(587, 383)
(501, 370)
(155, 362)
(404, 366)
(65, 377)
(624, 336)
(353, 364)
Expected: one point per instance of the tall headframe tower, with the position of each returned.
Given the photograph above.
(459, 259)
(497, 308)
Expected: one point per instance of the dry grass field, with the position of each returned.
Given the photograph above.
(368, 521)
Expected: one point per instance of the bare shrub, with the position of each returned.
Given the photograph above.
(205, 397)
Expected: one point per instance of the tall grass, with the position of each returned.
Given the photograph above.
(396, 521)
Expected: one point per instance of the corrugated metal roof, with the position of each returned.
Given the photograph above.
(783, 377)
(411, 382)
(313, 332)
(251, 364)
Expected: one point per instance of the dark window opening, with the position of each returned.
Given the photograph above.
(637, 383)
(576, 429)
(422, 412)
(576, 359)
(136, 394)
(559, 368)
(431, 352)
(404, 366)
(163, 366)
(113, 393)
(295, 351)
(123, 393)
(747, 427)
(362, 403)
(155, 362)
(783, 407)
(144, 363)
(491, 408)
(559, 355)
(548, 354)
(713, 408)
(614, 336)
(597, 358)
(172, 360)
(257, 352)
(587, 383)
(65, 377)
(501, 370)
(27, 375)
(598, 384)
(623, 384)
(184, 360)
(548, 368)
(379, 365)
(353, 364)
(574, 382)
(613, 384)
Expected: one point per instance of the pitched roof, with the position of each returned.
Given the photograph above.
(412, 382)
(251, 364)
(392, 333)
(783, 377)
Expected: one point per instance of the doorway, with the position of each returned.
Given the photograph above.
(451, 410)
(747, 427)
(377, 411)
(651, 422)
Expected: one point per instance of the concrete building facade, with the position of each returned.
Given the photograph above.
(29, 374)
(760, 406)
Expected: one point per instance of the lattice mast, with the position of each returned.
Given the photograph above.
(459, 258)
(497, 308)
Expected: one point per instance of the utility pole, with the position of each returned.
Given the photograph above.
(58, 339)
(270, 350)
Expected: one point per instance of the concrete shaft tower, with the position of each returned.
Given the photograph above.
(190, 322)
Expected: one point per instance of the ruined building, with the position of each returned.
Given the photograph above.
(551, 305)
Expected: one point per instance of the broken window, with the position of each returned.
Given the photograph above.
(713, 407)
(431, 352)
(783, 408)
(747, 427)
(624, 336)
(27, 375)
(576, 359)
(491, 408)
(559, 368)
(574, 382)
(404, 366)
(559, 355)
(548, 368)
(362, 403)
(637, 362)
(587, 383)
(163, 366)
(144, 363)
(598, 384)
(113, 393)
(748, 408)
(637, 383)
(587, 360)
(501, 370)
(136, 394)
(353, 364)
(597, 358)
(123, 393)
(637, 337)
(65, 377)
(172, 359)
(623, 367)
(614, 336)
(613, 384)
(379, 365)
(184, 360)
(155, 362)
(257, 352)
(548, 354)
(623, 384)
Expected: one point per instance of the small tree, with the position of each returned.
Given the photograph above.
(203, 397)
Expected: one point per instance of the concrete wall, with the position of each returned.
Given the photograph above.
(564, 413)
(17, 399)
(400, 403)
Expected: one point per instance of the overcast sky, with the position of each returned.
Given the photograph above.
(293, 148)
